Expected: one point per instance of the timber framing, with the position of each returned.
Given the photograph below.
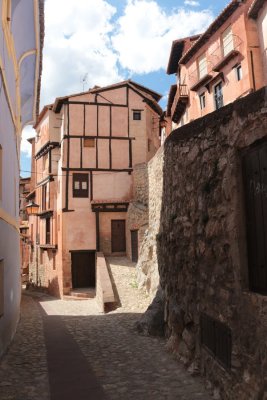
(46, 148)
(97, 169)
(110, 207)
(97, 137)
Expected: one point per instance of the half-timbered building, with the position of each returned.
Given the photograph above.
(86, 147)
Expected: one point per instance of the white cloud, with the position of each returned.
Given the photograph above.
(145, 33)
(77, 41)
(25, 146)
(192, 3)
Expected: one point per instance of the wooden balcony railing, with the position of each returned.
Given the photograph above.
(179, 103)
(222, 55)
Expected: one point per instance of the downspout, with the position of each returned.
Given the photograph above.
(252, 70)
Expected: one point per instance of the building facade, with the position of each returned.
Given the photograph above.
(21, 36)
(226, 62)
(24, 190)
(85, 150)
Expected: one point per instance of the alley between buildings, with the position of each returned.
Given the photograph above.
(68, 350)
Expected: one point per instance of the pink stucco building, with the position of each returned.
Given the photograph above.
(84, 153)
(226, 62)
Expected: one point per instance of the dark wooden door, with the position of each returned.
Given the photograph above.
(255, 182)
(134, 245)
(83, 269)
(118, 238)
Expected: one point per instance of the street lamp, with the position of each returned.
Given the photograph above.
(32, 208)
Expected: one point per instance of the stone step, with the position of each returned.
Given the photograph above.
(81, 294)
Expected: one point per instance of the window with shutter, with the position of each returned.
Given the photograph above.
(227, 41)
(202, 66)
(80, 185)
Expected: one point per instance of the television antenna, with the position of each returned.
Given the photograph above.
(84, 80)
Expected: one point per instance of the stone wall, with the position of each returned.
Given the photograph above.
(147, 267)
(202, 247)
(137, 216)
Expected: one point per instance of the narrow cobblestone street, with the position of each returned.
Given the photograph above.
(68, 350)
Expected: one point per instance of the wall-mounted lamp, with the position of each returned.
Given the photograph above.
(32, 208)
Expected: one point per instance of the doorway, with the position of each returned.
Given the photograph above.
(118, 237)
(255, 185)
(134, 245)
(83, 265)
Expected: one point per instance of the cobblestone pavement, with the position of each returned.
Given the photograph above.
(125, 365)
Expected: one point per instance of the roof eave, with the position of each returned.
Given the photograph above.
(215, 25)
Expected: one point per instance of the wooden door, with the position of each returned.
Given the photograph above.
(134, 245)
(118, 238)
(83, 269)
(255, 183)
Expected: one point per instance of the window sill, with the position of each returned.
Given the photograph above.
(201, 82)
(48, 246)
(225, 60)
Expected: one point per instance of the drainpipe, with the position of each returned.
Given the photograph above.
(253, 71)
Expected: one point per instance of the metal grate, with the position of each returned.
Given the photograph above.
(217, 338)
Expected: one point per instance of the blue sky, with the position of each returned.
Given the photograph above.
(113, 40)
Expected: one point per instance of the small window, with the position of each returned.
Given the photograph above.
(217, 338)
(1, 288)
(44, 197)
(202, 100)
(136, 115)
(239, 74)
(80, 185)
(89, 142)
(47, 231)
(149, 145)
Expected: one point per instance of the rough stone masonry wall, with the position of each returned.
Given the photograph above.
(137, 216)
(202, 246)
(147, 267)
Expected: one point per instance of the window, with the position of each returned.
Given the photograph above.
(47, 231)
(217, 338)
(44, 195)
(202, 100)
(45, 162)
(227, 41)
(1, 172)
(238, 70)
(1, 288)
(89, 142)
(202, 66)
(80, 185)
(136, 115)
(218, 96)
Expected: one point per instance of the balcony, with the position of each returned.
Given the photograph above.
(199, 77)
(223, 55)
(180, 102)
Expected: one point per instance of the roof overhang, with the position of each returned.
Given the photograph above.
(216, 24)
(255, 8)
(177, 50)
